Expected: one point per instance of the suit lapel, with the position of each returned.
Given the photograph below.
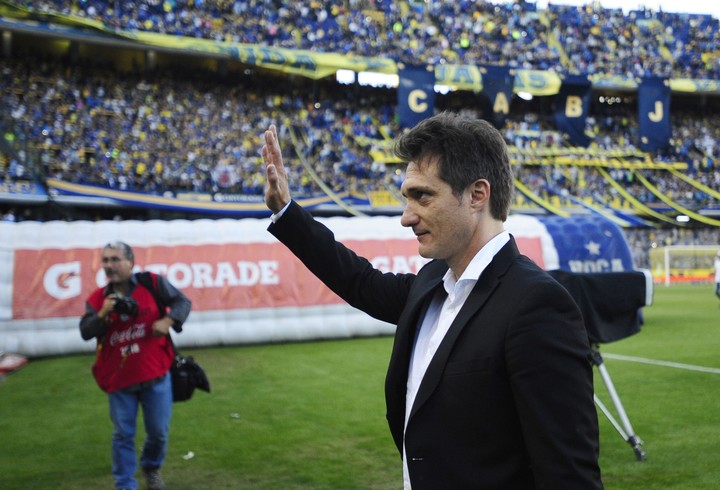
(418, 303)
(488, 281)
(419, 299)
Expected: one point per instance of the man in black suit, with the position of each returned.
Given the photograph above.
(489, 383)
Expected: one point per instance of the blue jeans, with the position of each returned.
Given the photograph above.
(156, 402)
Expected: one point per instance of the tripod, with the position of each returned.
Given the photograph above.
(610, 304)
(625, 430)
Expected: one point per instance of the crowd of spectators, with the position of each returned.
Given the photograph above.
(566, 39)
(170, 133)
(642, 240)
(91, 126)
(174, 132)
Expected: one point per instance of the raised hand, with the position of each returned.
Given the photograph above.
(277, 190)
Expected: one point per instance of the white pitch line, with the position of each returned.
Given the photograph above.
(678, 365)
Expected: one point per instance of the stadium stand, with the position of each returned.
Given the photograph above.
(93, 113)
(588, 39)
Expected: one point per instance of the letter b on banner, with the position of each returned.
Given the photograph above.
(573, 106)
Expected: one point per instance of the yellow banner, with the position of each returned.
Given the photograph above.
(613, 81)
(380, 150)
(660, 195)
(589, 157)
(694, 86)
(382, 199)
(537, 82)
(315, 65)
(459, 77)
(384, 156)
(306, 63)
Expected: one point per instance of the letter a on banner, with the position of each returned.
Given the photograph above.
(416, 94)
(498, 82)
(654, 113)
(573, 106)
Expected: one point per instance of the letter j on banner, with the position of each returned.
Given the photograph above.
(416, 94)
(654, 113)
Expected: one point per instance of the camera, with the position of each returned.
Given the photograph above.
(125, 305)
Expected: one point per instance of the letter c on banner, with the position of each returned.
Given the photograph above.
(62, 281)
(416, 101)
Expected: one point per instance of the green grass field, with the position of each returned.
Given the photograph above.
(311, 415)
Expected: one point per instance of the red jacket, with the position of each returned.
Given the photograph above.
(129, 353)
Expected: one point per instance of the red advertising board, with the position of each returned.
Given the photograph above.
(53, 282)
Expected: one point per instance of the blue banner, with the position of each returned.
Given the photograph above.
(22, 191)
(498, 82)
(416, 94)
(589, 243)
(237, 205)
(654, 113)
(572, 108)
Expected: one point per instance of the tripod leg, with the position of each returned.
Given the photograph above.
(610, 417)
(628, 433)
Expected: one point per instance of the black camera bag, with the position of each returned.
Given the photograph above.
(186, 374)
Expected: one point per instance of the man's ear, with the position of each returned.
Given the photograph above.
(480, 193)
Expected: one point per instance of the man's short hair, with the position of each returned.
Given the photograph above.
(124, 247)
(466, 149)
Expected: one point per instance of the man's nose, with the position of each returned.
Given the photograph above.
(408, 217)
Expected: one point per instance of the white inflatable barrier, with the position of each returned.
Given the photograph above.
(244, 285)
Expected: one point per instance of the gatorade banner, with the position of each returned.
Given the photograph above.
(572, 108)
(416, 94)
(654, 113)
(498, 82)
(244, 285)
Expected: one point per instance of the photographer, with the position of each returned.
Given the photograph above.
(134, 355)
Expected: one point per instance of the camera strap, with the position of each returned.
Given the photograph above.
(149, 282)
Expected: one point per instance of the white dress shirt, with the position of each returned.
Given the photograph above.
(436, 323)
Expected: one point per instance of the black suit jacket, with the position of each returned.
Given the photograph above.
(507, 400)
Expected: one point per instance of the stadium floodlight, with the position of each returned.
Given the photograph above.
(525, 95)
(374, 79)
(345, 77)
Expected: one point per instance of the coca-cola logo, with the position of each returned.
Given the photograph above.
(136, 331)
